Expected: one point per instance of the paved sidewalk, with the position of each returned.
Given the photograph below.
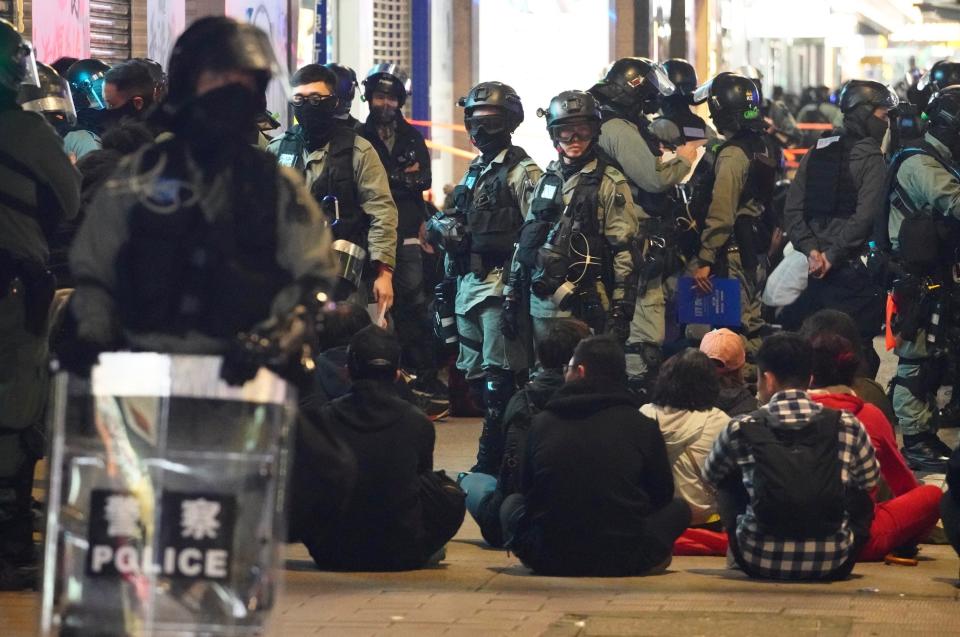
(484, 592)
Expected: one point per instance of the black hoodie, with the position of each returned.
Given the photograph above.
(382, 526)
(593, 470)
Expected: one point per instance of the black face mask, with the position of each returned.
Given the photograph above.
(490, 143)
(383, 114)
(317, 122)
(219, 118)
(876, 128)
(113, 116)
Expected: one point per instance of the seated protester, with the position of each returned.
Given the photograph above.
(726, 350)
(682, 405)
(401, 513)
(330, 377)
(596, 490)
(793, 478)
(864, 385)
(950, 502)
(901, 522)
(485, 493)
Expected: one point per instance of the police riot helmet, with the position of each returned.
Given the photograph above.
(52, 98)
(571, 108)
(346, 88)
(157, 74)
(943, 115)
(494, 95)
(683, 76)
(859, 93)
(753, 73)
(941, 75)
(218, 43)
(634, 81)
(734, 102)
(86, 83)
(17, 63)
(386, 78)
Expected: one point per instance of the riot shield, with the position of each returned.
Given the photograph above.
(165, 502)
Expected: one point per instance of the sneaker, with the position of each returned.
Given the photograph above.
(949, 416)
(926, 452)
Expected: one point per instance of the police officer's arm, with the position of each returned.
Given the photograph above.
(626, 145)
(870, 176)
(522, 180)
(53, 165)
(621, 225)
(373, 189)
(731, 170)
(303, 238)
(794, 222)
(933, 185)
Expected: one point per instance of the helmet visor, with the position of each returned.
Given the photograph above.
(891, 100)
(27, 62)
(702, 93)
(657, 77)
(252, 51)
(925, 80)
(51, 99)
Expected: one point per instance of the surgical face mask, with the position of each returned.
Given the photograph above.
(877, 128)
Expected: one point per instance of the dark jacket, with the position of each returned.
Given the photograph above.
(593, 470)
(953, 475)
(382, 525)
(736, 401)
(406, 188)
(517, 419)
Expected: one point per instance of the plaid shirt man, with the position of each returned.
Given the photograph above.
(783, 558)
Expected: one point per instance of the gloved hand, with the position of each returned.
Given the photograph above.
(620, 321)
(78, 356)
(247, 354)
(510, 318)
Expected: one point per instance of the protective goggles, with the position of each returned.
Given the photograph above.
(489, 124)
(569, 133)
(314, 99)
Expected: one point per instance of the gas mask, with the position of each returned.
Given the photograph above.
(488, 132)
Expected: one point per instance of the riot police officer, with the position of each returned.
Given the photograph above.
(942, 74)
(198, 237)
(780, 121)
(677, 123)
(39, 190)
(478, 236)
(832, 205)
(632, 89)
(345, 174)
(407, 161)
(346, 90)
(86, 78)
(574, 252)
(743, 176)
(924, 214)
(51, 99)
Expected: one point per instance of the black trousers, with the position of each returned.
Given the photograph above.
(950, 512)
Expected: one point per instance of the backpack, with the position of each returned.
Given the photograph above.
(797, 487)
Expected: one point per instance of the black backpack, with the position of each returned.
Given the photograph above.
(797, 487)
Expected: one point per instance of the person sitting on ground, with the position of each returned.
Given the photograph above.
(485, 494)
(682, 405)
(725, 348)
(864, 385)
(793, 478)
(901, 522)
(401, 512)
(330, 377)
(950, 502)
(596, 490)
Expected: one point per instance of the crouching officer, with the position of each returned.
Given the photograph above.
(743, 178)
(574, 251)
(345, 175)
(39, 189)
(924, 235)
(835, 200)
(199, 237)
(478, 237)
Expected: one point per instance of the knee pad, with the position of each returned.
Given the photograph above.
(499, 386)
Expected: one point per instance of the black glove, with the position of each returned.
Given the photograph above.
(78, 356)
(620, 321)
(510, 319)
(247, 354)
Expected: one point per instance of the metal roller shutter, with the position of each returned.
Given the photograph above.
(110, 30)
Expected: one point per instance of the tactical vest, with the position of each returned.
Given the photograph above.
(26, 193)
(830, 190)
(178, 271)
(584, 205)
(491, 213)
(654, 204)
(765, 160)
(925, 240)
(292, 147)
(337, 179)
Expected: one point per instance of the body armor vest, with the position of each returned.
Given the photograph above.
(337, 180)
(830, 189)
(492, 216)
(180, 272)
